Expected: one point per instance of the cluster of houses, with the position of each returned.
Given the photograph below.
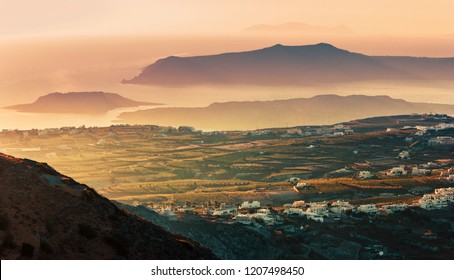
(424, 169)
(439, 135)
(319, 211)
(252, 213)
(438, 200)
(336, 130)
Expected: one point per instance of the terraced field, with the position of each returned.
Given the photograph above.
(155, 164)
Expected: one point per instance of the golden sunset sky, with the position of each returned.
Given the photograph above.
(77, 45)
(406, 17)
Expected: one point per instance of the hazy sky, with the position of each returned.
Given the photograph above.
(56, 45)
(86, 45)
(405, 17)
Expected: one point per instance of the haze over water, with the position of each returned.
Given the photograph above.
(93, 45)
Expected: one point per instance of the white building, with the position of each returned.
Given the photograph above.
(227, 211)
(367, 208)
(318, 208)
(294, 211)
(243, 219)
(396, 171)
(394, 208)
(404, 155)
(266, 217)
(365, 175)
(250, 204)
(433, 201)
(419, 171)
(340, 207)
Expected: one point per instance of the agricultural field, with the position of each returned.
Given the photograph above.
(162, 164)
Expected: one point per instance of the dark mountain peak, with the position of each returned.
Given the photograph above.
(277, 46)
(325, 45)
(291, 65)
(46, 215)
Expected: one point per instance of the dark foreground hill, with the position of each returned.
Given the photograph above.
(46, 215)
(317, 110)
(78, 103)
(292, 65)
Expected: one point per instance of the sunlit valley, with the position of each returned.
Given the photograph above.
(271, 139)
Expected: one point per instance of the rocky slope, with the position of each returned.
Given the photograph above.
(46, 215)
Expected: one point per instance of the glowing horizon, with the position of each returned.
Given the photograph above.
(85, 17)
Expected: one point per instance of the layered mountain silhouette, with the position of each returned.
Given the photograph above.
(291, 65)
(318, 110)
(46, 215)
(78, 103)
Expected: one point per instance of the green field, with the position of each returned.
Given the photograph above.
(149, 163)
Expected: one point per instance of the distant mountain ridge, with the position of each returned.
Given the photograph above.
(248, 115)
(46, 215)
(96, 102)
(291, 65)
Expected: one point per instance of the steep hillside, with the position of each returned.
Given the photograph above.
(46, 215)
